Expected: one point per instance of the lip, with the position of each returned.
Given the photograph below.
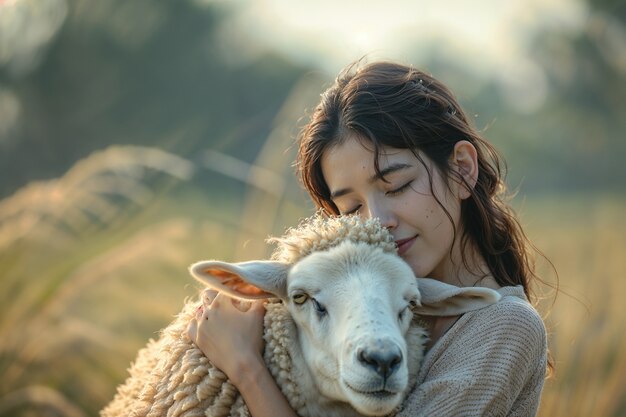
(379, 394)
(403, 245)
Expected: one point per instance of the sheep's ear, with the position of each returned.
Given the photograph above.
(247, 280)
(440, 299)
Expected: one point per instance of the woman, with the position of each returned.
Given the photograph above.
(392, 142)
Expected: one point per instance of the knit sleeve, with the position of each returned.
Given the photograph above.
(492, 364)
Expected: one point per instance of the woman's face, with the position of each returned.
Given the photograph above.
(404, 204)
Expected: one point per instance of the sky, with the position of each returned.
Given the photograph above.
(488, 37)
(337, 30)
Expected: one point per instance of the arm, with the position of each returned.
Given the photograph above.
(238, 351)
(492, 362)
(261, 394)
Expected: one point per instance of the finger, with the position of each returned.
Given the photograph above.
(217, 301)
(208, 296)
(192, 330)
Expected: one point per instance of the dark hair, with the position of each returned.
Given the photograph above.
(390, 104)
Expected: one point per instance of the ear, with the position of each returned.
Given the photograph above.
(440, 299)
(465, 161)
(247, 280)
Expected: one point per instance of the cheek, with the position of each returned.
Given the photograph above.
(447, 211)
(439, 225)
(437, 234)
(427, 214)
(316, 334)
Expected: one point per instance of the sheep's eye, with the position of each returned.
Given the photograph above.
(318, 307)
(300, 298)
(402, 312)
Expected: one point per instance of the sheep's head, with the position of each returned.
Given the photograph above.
(352, 305)
(352, 299)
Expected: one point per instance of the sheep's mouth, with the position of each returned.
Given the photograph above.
(382, 394)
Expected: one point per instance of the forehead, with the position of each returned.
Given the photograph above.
(355, 157)
(342, 267)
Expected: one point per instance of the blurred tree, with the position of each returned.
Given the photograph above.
(584, 115)
(615, 8)
(142, 72)
(574, 141)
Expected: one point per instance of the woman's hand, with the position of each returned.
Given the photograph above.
(229, 332)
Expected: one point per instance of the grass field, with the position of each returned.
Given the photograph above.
(88, 278)
(585, 238)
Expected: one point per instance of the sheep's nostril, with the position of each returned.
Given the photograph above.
(384, 361)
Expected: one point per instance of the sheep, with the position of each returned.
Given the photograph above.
(343, 330)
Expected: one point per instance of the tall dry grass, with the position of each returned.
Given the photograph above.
(585, 238)
(62, 241)
(93, 263)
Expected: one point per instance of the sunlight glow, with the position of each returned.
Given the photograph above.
(26, 28)
(490, 38)
(494, 28)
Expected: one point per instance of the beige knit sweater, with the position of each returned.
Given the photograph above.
(492, 362)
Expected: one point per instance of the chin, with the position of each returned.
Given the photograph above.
(420, 269)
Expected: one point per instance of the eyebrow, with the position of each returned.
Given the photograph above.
(377, 176)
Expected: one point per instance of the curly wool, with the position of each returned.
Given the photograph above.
(319, 233)
(172, 377)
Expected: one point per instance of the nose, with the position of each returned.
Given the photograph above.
(385, 215)
(383, 360)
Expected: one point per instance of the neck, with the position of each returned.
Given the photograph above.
(470, 270)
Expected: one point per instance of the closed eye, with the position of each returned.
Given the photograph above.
(400, 189)
(402, 313)
(406, 314)
(353, 211)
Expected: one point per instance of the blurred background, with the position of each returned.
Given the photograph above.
(137, 137)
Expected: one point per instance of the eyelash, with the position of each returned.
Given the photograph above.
(399, 189)
(353, 211)
(391, 193)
